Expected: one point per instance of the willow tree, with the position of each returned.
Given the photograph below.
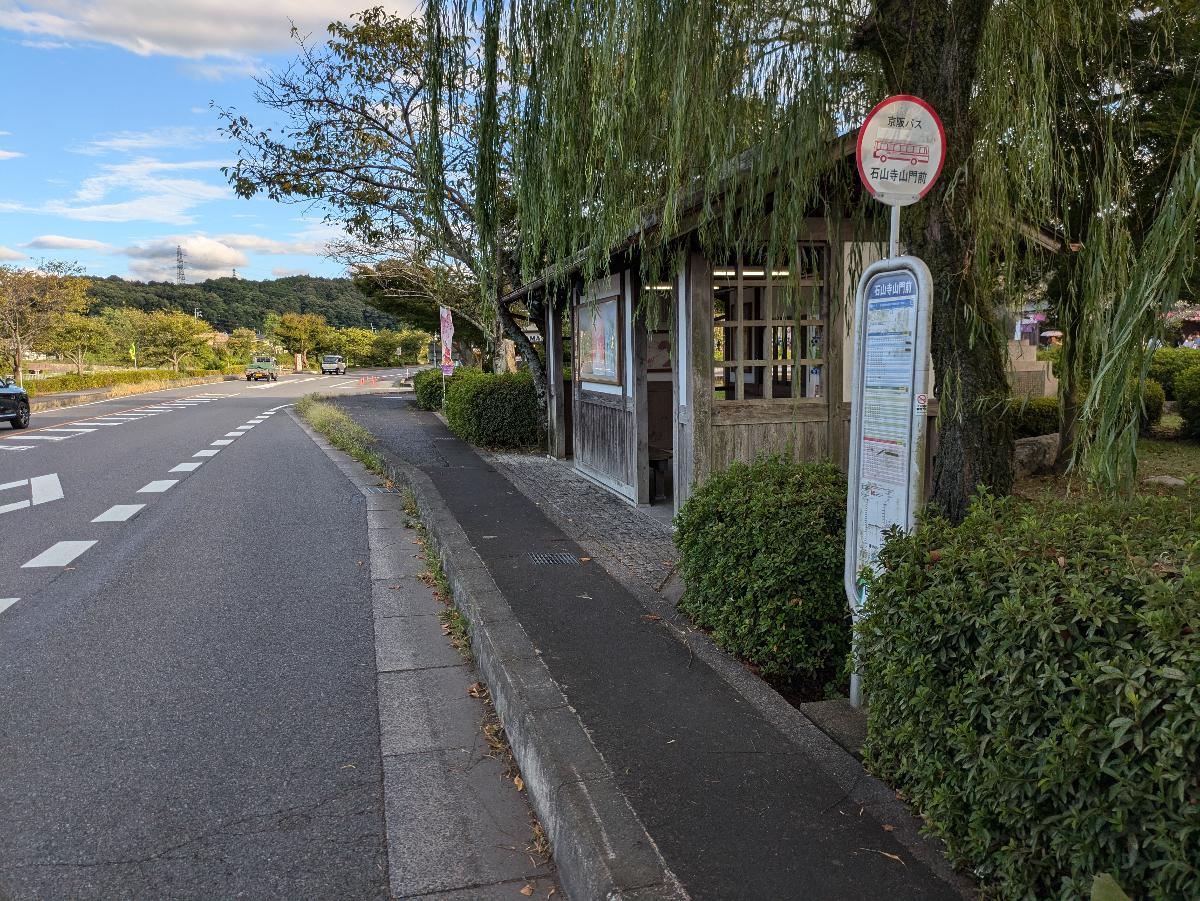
(396, 155)
(625, 114)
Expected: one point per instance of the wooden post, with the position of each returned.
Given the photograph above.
(556, 415)
(700, 313)
(641, 418)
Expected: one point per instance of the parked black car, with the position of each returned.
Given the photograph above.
(14, 404)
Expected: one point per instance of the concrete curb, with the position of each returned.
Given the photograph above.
(601, 848)
(860, 786)
(50, 402)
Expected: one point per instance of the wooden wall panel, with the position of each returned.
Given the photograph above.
(606, 440)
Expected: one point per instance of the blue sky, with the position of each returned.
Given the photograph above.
(109, 152)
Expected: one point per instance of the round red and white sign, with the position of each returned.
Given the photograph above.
(901, 148)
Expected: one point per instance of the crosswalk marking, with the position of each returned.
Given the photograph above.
(59, 554)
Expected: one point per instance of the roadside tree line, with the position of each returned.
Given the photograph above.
(45, 312)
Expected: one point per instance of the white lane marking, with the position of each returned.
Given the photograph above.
(222, 442)
(16, 447)
(119, 513)
(158, 486)
(207, 453)
(44, 489)
(46, 437)
(234, 434)
(74, 431)
(243, 429)
(187, 467)
(5, 603)
(59, 554)
(280, 407)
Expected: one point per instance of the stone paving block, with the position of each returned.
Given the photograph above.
(454, 823)
(425, 710)
(412, 642)
(403, 597)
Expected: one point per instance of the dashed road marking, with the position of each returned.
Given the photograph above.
(234, 434)
(158, 486)
(207, 453)
(119, 513)
(59, 554)
(5, 603)
(187, 467)
(222, 442)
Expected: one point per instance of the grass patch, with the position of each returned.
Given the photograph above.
(341, 431)
(454, 625)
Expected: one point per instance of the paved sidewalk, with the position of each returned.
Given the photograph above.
(739, 806)
(626, 535)
(457, 827)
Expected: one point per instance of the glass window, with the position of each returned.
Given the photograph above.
(599, 350)
(768, 329)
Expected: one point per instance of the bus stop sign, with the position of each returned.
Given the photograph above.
(901, 148)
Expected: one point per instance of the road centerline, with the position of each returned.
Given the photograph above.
(58, 554)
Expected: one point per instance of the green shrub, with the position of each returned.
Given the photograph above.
(761, 552)
(72, 382)
(1168, 362)
(427, 388)
(1040, 415)
(1187, 393)
(1033, 678)
(493, 410)
(1051, 355)
(1034, 416)
(1154, 399)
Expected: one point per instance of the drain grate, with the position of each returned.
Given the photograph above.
(379, 489)
(554, 559)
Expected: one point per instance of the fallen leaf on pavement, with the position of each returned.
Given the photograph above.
(585, 559)
(519, 783)
(527, 891)
(395, 587)
(888, 827)
(895, 857)
(476, 689)
(651, 617)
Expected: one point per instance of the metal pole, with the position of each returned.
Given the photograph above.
(894, 239)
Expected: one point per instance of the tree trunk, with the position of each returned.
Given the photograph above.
(930, 48)
(18, 358)
(533, 360)
(79, 362)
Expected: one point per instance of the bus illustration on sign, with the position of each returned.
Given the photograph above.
(901, 150)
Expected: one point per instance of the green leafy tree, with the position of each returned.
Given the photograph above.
(355, 344)
(31, 302)
(173, 337)
(128, 328)
(241, 344)
(76, 336)
(300, 333)
(357, 136)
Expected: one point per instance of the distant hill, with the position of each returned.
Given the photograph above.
(229, 303)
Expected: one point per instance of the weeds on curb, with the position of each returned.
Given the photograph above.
(341, 431)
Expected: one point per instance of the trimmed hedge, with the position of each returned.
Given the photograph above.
(73, 382)
(491, 410)
(1169, 362)
(1187, 393)
(1034, 416)
(427, 388)
(761, 548)
(1033, 678)
(1039, 415)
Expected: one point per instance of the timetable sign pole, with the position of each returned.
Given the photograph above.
(899, 154)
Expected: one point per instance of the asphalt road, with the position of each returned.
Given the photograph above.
(186, 659)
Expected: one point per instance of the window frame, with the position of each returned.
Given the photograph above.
(591, 307)
(735, 333)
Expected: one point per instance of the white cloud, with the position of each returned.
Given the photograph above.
(205, 258)
(281, 272)
(59, 242)
(7, 254)
(192, 29)
(303, 244)
(158, 194)
(9, 154)
(46, 45)
(174, 137)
